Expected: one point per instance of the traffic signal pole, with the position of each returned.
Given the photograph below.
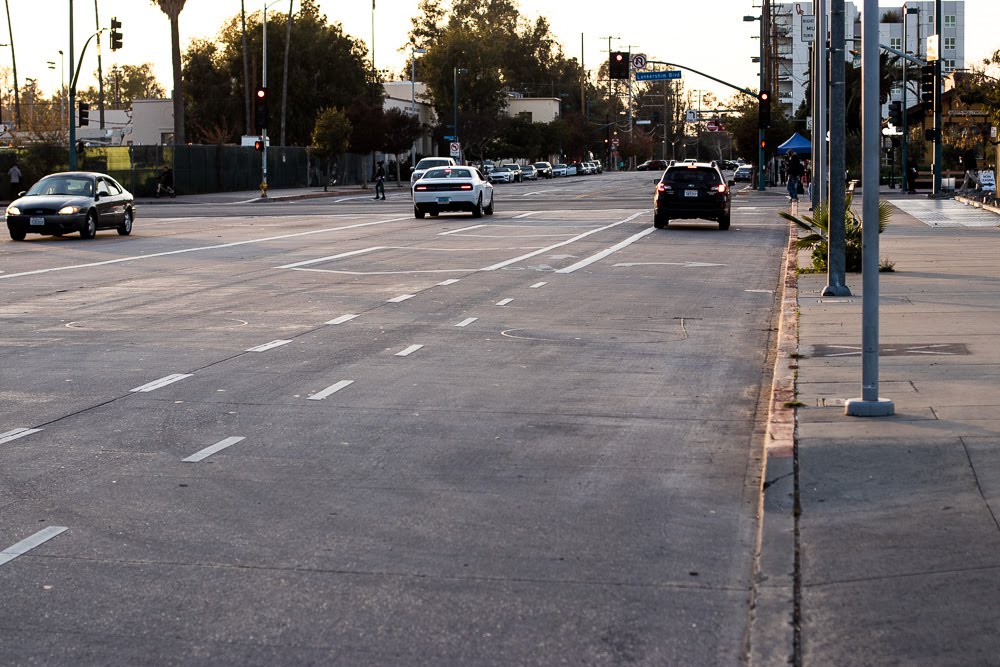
(938, 90)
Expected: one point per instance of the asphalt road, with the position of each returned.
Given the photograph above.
(324, 432)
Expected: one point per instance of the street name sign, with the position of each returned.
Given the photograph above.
(665, 75)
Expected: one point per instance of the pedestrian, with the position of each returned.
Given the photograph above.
(380, 181)
(795, 171)
(15, 179)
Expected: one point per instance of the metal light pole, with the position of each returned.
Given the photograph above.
(870, 405)
(821, 182)
(263, 84)
(413, 96)
(938, 91)
(761, 134)
(836, 262)
(904, 178)
(456, 72)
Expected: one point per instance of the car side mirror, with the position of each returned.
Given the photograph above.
(97, 196)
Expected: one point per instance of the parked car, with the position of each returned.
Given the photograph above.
(73, 201)
(502, 174)
(429, 163)
(571, 169)
(583, 168)
(558, 170)
(516, 171)
(544, 169)
(692, 190)
(652, 165)
(743, 173)
(598, 166)
(528, 172)
(453, 189)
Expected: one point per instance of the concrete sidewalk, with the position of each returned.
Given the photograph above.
(893, 554)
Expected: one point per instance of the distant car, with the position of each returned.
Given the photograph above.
(743, 173)
(584, 168)
(502, 174)
(559, 169)
(430, 163)
(452, 189)
(572, 170)
(544, 169)
(528, 172)
(516, 171)
(692, 190)
(652, 165)
(598, 166)
(72, 201)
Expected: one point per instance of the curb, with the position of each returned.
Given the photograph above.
(977, 204)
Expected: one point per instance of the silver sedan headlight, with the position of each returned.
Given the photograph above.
(69, 210)
(13, 210)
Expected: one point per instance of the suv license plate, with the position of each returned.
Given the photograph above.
(37, 221)
(443, 200)
(690, 193)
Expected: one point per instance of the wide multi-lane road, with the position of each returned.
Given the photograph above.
(324, 432)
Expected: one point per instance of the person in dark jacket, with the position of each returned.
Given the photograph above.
(380, 181)
(794, 170)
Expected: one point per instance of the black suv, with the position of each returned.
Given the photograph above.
(692, 190)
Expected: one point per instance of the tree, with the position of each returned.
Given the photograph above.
(172, 8)
(331, 133)
(126, 83)
(401, 130)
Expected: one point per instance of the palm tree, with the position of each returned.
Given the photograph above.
(172, 8)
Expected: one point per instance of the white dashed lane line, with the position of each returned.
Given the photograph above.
(17, 433)
(450, 281)
(217, 447)
(401, 298)
(463, 229)
(537, 285)
(467, 321)
(342, 319)
(332, 389)
(29, 543)
(504, 302)
(268, 346)
(162, 382)
(408, 351)
(607, 251)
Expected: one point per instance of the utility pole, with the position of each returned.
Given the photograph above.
(938, 91)
(100, 73)
(836, 262)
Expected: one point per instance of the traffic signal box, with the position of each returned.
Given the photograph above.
(116, 34)
(896, 113)
(618, 66)
(927, 84)
(260, 109)
(764, 109)
(83, 114)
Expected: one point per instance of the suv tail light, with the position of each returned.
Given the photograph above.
(663, 187)
(721, 188)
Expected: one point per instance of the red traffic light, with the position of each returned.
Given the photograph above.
(619, 57)
(261, 93)
(258, 145)
(764, 96)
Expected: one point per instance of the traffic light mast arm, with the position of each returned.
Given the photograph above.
(79, 64)
(708, 76)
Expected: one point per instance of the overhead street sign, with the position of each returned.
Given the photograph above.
(639, 61)
(665, 75)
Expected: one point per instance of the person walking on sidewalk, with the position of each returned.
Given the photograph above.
(380, 181)
(15, 179)
(795, 171)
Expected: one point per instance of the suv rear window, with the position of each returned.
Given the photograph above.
(688, 176)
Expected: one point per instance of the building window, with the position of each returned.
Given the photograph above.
(949, 65)
(949, 21)
(896, 43)
(949, 43)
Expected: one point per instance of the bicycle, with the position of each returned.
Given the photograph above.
(162, 189)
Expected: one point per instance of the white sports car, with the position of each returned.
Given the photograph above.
(453, 189)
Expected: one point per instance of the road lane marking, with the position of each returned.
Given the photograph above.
(342, 319)
(607, 251)
(162, 382)
(450, 281)
(467, 321)
(199, 248)
(537, 285)
(330, 257)
(504, 302)
(408, 351)
(524, 215)
(463, 229)
(550, 248)
(268, 346)
(29, 543)
(332, 389)
(401, 298)
(686, 265)
(17, 433)
(217, 447)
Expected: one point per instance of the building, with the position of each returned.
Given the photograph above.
(410, 96)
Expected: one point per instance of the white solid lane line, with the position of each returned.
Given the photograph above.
(467, 321)
(524, 215)
(17, 433)
(504, 302)
(29, 543)
(408, 351)
(268, 346)
(199, 249)
(463, 229)
(450, 281)
(217, 447)
(332, 389)
(400, 298)
(607, 251)
(330, 257)
(342, 319)
(162, 382)
(537, 285)
(550, 248)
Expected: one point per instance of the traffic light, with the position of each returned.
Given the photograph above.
(84, 114)
(116, 34)
(656, 117)
(764, 110)
(930, 134)
(260, 109)
(258, 145)
(927, 85)
(618, 65)
(896, 113)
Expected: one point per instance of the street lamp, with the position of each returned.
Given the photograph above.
(457, 71)
(904, 180)
(413, 96)
(760, 131)
(263, 83)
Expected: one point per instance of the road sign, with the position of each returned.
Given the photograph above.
(450, 137)
(665, 75)
(639, 61)
(712, 126)
(808, 27)
(615, 142)
(643, 122)
(456, 149)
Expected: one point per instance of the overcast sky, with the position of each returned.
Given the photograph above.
(708, 35)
